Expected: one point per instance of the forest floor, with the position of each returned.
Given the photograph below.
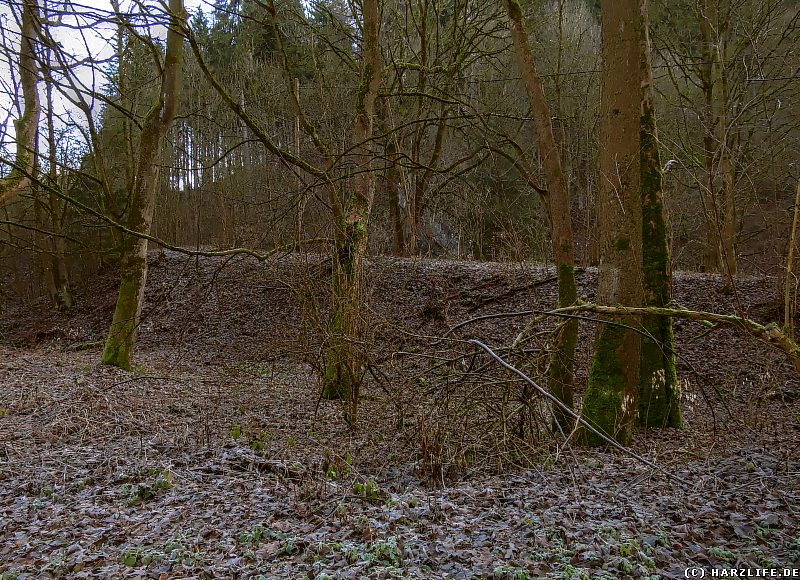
(214, 456)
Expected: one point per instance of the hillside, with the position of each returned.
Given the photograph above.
(215, 457)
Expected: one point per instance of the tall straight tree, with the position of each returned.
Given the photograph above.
(343, 361)
(659, 397)
(610, 402)
(27, 126)
(556, 200)
(122, 334)
(715, 32)
(56, 270)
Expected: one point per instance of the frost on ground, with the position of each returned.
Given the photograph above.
(215, 458)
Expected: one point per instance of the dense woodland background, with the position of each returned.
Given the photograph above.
(452, 142)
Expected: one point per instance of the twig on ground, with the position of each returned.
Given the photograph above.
(574, 415)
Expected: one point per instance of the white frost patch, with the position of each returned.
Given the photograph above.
(659, 379)
(627, 403)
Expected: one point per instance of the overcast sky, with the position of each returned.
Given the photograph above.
(92, 40)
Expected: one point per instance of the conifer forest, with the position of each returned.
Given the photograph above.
(449, 289)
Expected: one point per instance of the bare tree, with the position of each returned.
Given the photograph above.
(659, 398)
(556, 200)
(122, 333)
(611, 395)
(27, 126)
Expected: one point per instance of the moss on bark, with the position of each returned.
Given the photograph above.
(610, 400)
(343, 361)
(124, 326)
(659, 396)
(608, 404)
(562, 358)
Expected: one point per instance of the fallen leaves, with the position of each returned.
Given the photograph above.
(155, 474)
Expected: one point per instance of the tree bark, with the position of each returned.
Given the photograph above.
(788, 281)
(394, 187)
(610, 401)
(27, 126)
(659, 397)
(557, 202)
(711, 258)
(122, 334)
(344, 359)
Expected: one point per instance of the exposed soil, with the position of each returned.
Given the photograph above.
(215, 457)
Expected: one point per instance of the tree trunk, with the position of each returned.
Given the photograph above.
(301, 194)
(719, 162)
(394, 187)
(712, 261)
(729, 220)
(788, 281)
(122, 334)
(659, 398)
(727, 171)
(611, 395)
(558, 206)
(27, 126)
(344, 360)
(59, 280)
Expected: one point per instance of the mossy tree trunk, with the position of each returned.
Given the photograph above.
(127, 314)
(343, 356)
(27, 126)
(659, 398)
(557, 201)
(610, 401)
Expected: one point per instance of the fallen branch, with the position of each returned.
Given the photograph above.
(484, 300)
(573, 414)
(770, 333)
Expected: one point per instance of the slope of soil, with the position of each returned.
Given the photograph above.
(215, 458)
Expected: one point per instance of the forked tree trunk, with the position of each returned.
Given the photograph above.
(27, 126)
(557, 201)
(122, 334)
(610, 401)
(659, 398)
(343, 357)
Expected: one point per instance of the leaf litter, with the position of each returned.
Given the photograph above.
(215, 458)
